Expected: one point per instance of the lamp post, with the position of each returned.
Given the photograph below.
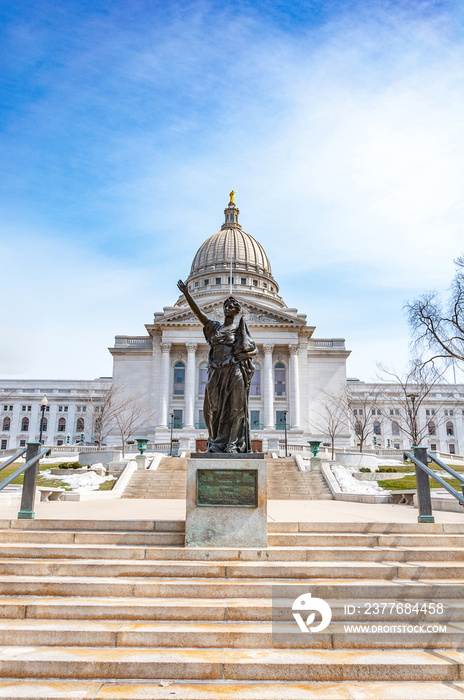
(285, 427)
(43, 406)
(172, 425)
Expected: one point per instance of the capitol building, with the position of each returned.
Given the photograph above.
(295, 370)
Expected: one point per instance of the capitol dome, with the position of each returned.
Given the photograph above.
(233, 243)
(232, 249)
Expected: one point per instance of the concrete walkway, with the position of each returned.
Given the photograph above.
(278, 511)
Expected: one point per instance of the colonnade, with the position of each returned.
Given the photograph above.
(267, 385)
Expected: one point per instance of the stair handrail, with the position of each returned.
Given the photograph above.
(23, 467)
(14, 457)
(424, 468)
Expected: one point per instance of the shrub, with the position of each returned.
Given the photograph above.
(365, 470)
(68, 465)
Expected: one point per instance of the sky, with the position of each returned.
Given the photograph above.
(125, 124)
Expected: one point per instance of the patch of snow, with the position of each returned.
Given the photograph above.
(349, 484)
(80, 483)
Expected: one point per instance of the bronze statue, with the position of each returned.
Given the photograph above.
(230, 369)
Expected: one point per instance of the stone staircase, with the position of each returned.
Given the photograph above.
(284, 481)
(168, 481)
(121, 609)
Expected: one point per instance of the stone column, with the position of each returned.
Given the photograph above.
(268, 388)
(294, 387)
(164, 383)
(190, 385)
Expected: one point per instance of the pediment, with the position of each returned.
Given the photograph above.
(254, 315)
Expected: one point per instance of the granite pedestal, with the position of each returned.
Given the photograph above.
(226, 500)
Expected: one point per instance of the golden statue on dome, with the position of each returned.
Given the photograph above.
(232, 197)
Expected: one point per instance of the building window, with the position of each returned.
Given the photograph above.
(279, 379)
(177, 419)
(255, 283)
(395, 428)
(201, 420)
(196, 284)
(203, 378)
(452, 449)
(449, 428)
(84, 408)
(206, 283)
(280, 420)
(25, 425)
(62, 425)
(396, 445)
(4, 444)
(44, 425)
(80, 425)
(265, 285)
(218, 280)
(228, 280)
(377, 429)
(433, 447)
(179, 379)
(254, 420)
(6, 423)
(430, 412)
(22, 443)
(243, 280)
(449, 412)
(59, 442)
(431, 427)
(255, 386)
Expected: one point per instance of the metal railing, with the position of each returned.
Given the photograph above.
(256, 426)
(30, 469)
(176, 425)
(282, 426)
(200, 426)
(420, 458)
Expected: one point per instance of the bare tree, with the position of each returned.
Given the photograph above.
(405, 396)
(438, 329)
(103, 402)
(332, 418)
(360, 408)
(131, 415)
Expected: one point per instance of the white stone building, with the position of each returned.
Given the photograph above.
(67, 417)
(292, 369)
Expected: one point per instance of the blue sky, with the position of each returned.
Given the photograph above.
(124, 126)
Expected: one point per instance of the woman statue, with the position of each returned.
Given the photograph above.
(230, 370)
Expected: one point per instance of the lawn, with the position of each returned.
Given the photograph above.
(48, 480)
(409, 482)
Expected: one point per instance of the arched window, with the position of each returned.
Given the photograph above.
(25, 425)
(255, 386)
(279, 379)
(377, 430)
(44, 425)
(179, 379)
(202, 379)
(432, 428)
(449, 428)
(62, 425)
(80, 425)
(6, 423)
(395, 428)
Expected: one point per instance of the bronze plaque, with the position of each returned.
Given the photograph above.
(227, 487)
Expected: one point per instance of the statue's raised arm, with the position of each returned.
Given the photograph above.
(195, 308)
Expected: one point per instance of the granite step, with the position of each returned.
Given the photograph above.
(314, 665)
(221, 634)
(213, 609)
(241, 690)
(328, 589)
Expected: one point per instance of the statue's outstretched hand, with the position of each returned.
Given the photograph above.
(182, 286)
